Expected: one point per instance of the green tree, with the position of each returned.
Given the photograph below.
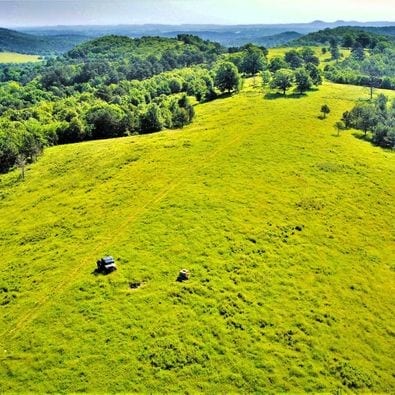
(266, 78)
(325, 110)
(334, 50)
(339, 125)
(277, 63)
(227, 77)
(303, 80)
(373, 70)
(282, 80)
(21, 162)
(357, 51)
(363, 117)
(105, 121)
(348, 41)
(293, 58)
(315, 74)
(152, 120)
(253, 60)
(309, 56)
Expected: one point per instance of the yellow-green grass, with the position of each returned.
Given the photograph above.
(12, 57)
(287, 231)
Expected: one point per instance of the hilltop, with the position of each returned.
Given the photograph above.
(340, 34)
(15, 41)
(285, 228)
(115, 48)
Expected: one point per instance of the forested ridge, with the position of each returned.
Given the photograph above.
(369, 35)
(14, 41)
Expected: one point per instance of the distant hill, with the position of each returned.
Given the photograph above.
(228, 35)
(14, 41)
(383, 30)
(339, 34)
(279, 39)
(60, 39)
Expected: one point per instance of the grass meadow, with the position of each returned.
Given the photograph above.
(11, 57)
(287, 231)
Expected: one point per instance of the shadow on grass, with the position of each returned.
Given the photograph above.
(278, 95)
(363, 137)
(368, 139)
(225, 95)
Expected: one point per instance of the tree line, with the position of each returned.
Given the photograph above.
(374, 68)
(129, 107)
(376, 117)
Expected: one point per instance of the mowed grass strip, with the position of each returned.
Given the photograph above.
(286, 230)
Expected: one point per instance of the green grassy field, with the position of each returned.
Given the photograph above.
(12, 57)
(287, 231)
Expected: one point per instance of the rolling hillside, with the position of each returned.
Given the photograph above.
(14, 41)
(339, 34)
(286, 229)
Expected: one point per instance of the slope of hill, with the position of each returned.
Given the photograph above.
(339, 34)
(278, 39)
(286, 230)
(383, 30)
(13, 41)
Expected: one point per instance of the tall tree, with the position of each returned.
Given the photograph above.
(339, 125)
(152, 119)
(266, 78)
(325, 110)
(277, 63)
(315, 74)
(373, 69)
(253, 60)
(282, 80)
(303, 80)
(363, 117)
(334, 50)
(293, 58)
(357, 51)
(227, 77)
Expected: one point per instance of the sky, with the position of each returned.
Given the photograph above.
(15, 13)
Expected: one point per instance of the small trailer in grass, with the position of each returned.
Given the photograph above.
(106, 265)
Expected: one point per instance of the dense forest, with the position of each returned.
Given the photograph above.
(376, 117)
(343, 34)
(371, 62)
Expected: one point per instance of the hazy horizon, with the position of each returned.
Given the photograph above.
(39, 13)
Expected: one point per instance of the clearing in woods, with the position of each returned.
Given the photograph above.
(12, 57)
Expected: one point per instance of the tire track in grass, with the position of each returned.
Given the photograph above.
(45, 300)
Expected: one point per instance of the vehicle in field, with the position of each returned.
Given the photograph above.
(106, 265)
